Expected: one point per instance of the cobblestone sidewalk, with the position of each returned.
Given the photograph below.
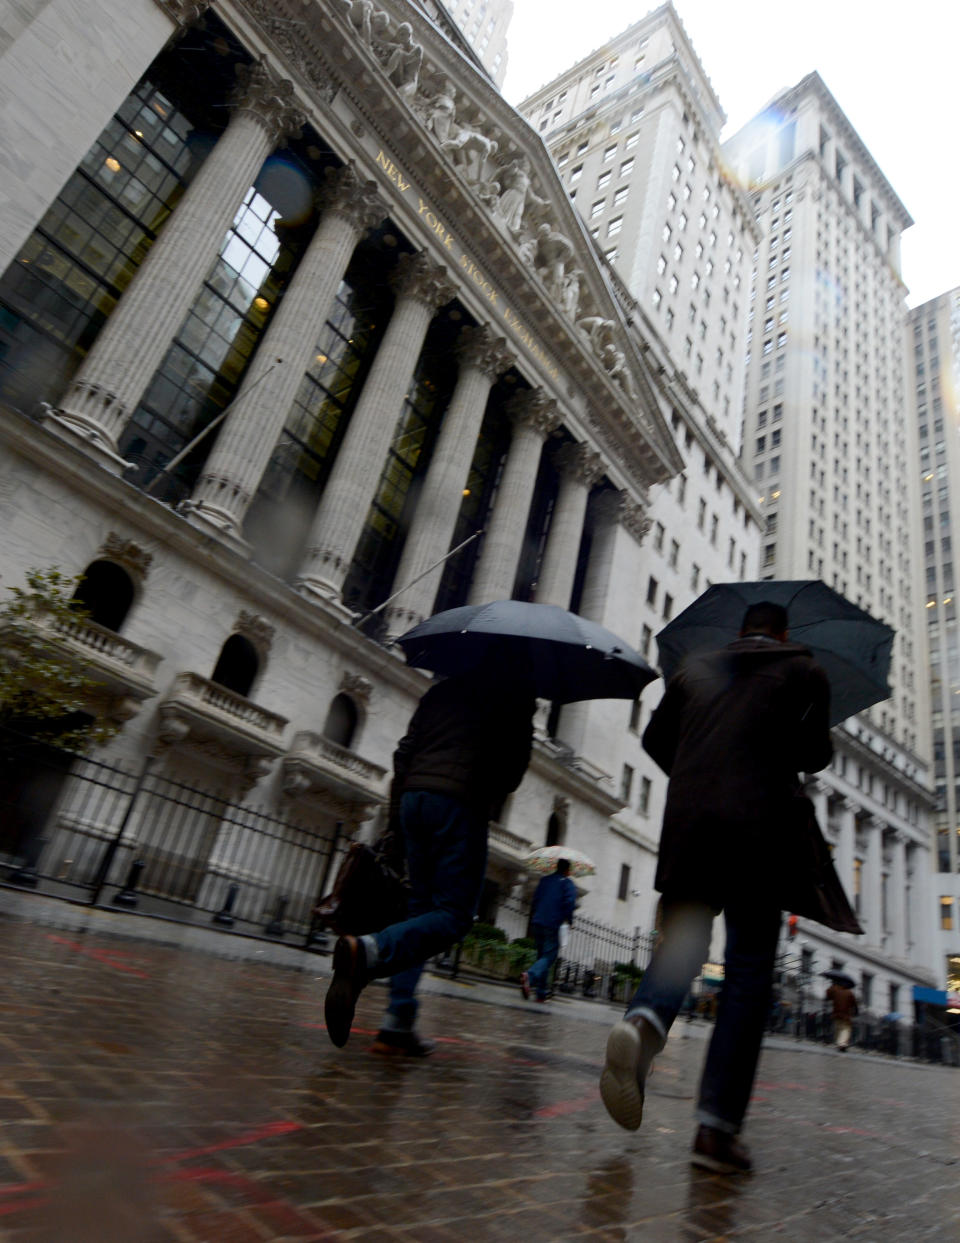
(159, 1095)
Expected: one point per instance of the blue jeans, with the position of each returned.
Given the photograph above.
(548, 947)
(753, 929)
(446, 846)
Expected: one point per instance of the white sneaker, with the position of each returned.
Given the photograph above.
(631, 1047)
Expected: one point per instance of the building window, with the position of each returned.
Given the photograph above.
(603, 179)
(946, 914)
(667, 606)
(646, 637)
(652, 586)
(597, 208)
(575, 173)
(609, 153)
(626, 783)
(623, 889)
(674, 553)
(635, 717)
(614, 227)
(643, 802)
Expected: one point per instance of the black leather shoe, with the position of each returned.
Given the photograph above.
(407, 1044)
(349, 978)
(719, 1151)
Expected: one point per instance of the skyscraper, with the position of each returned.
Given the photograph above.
(484, 25)
(833, 453)
(933, 357)
(634, 131)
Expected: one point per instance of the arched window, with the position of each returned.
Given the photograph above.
(342, 719)
(554, 831)
(237, 666)
(106, 593)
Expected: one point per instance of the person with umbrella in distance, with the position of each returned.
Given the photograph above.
(844, 1005)
(467, 747)
(734, 728)
(554, 902)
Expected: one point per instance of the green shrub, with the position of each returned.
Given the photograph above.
(628, 971)
(485, 932)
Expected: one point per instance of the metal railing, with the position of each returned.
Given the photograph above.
(82, 828)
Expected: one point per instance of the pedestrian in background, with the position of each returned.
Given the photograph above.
(734, 728)
(845, 1010)
(467, 747)
(554, 902)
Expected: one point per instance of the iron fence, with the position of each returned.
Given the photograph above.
(138, 839)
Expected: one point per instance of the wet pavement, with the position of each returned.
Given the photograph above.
(153, 1094)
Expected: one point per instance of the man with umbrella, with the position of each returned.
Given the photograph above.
(734, 728)
(467, 747)
(844, 1004)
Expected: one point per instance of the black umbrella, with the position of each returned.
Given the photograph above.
(570, 658)
(852, 647)
(840, 977)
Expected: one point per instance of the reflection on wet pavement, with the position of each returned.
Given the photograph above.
(155, 1095)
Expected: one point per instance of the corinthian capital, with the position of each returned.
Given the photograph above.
(417, 276)
(536, 409)
(578, 462)
(344, 194)
(480, 349)
(271, 99)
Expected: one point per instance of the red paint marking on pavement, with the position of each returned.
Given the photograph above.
(282, 1127)
(16, 1189)
(22, 1206)
(561, 1108)
(103, 956)
(285, 1213)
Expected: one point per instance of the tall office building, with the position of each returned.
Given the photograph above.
(833, 451)
(933, 360)
(484, 24)
(634, 131)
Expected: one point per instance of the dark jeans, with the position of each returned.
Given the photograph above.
(752, 932)
(548, 947)
(446, 845)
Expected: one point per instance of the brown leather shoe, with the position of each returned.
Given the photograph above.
(404, 1044)
(349, 978)
(720, 1151)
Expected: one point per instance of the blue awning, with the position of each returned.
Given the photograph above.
(933, 996)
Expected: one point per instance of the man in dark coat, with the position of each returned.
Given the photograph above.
(467, 747)
(553, 905)
(732, 731)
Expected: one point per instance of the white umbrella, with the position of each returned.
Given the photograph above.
(544, 860)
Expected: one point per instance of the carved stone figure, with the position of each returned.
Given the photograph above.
(488, 192)
(439, 112)
(554, 251)
(570, 296)
(470, 151)
(600, 333)
(517, 193)
(404, 59)
(527, 250)
(367, 18)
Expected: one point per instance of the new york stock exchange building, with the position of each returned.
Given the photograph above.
(293, 304)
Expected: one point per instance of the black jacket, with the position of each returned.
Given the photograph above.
(470, 737)
(733, 730)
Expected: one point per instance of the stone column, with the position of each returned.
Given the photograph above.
(590, 727)
(131, 345)
(871, 914)
(897, 895)
(421, 286)
(846, 841)
(580, 468)
(483, 357)
(257, 415)
(534, 416)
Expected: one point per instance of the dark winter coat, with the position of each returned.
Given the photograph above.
(470, 738)
(554, 901)
(732, 731)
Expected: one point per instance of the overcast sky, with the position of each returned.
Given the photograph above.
(892, 67)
